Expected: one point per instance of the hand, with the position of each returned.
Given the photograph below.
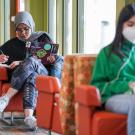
(14, 64)
(51, 58)
(132, 86)
(3, 58)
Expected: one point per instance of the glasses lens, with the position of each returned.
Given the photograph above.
(21, 30)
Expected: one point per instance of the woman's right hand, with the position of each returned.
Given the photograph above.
(3, 58)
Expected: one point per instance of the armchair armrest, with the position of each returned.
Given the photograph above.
(3, 74)
(87, 95)
(47, 84)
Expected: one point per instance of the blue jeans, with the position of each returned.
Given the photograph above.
(23, 78)
(124, 104)
(56, 68)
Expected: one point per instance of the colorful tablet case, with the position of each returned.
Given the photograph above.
(43, 51)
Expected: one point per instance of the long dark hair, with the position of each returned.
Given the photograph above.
(126, 13)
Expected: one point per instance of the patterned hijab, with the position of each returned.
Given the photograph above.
(26, 18)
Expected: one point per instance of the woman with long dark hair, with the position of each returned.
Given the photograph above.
(114, 71)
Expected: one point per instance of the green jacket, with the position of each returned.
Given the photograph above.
(111, 75)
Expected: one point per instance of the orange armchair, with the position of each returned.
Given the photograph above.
(16, 103)
(93, 121)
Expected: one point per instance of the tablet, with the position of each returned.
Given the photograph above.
(43, 50)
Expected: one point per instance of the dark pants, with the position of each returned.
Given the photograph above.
(23, 78)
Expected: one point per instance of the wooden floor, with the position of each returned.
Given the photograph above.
(18, 127)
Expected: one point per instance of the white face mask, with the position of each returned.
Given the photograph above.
(129, 34)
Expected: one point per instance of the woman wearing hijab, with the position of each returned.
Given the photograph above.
(24, 67)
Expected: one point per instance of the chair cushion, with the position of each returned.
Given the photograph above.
(107, 123)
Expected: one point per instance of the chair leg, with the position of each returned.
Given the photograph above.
(12, 118)
(9, 120)
(49, 132)
(6, 118)
(2, 115)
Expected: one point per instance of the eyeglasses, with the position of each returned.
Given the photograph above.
(20, 30)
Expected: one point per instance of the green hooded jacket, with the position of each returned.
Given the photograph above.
(112, 74)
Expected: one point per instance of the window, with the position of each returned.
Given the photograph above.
(96, 24)
(52, 19)
(5, 22)
(60, 24)
(22, 5)
(67, 27)
(82, 26)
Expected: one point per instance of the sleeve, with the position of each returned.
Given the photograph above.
(101, 77)
(45, 37)
(4, 48)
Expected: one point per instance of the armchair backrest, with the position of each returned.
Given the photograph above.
(77, 70)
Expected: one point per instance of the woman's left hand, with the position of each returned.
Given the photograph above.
(14, 64)
(51, 58)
